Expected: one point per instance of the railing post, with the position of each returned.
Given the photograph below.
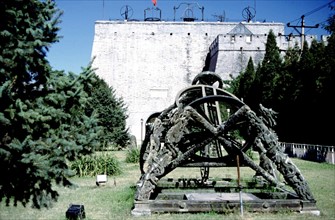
(315, 152)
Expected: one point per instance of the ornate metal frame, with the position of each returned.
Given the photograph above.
(210, 127)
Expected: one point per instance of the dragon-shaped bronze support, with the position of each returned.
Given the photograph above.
(205, 116)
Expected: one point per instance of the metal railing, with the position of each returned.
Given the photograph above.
(317, 153)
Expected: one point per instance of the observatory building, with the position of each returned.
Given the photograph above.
(148, 62)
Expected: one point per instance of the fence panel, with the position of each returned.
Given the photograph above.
(317, 153)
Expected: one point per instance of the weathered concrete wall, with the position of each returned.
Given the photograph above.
(230, 52)
(147, 63)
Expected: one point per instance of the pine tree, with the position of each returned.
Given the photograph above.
(326, 79)
(270, 71)
(43, 124)
(325, 85)
(287, 85)
(286, 95)
(300, 88)
(246, 79)
(111, 112)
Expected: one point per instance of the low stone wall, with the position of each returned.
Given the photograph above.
(317, 153)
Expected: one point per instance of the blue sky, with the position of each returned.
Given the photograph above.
(77, 26)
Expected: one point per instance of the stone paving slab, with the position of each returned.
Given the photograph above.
(220, 196)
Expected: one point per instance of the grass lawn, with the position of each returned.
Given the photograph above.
(115, 199)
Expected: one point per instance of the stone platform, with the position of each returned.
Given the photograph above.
(221, 200)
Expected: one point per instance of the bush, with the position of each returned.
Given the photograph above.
(133, 155)
(103, 163)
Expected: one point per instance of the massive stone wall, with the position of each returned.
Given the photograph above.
(147, 63)
(230, 52)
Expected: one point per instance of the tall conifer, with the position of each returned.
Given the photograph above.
(43, 124)
(246, 79)
(111, 112)
(270, 70)
(301, 88)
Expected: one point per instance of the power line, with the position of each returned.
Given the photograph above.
(318, 9)
(302, 26)
(314, 10)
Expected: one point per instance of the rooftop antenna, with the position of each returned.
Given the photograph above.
(221, 17)
(126, 12)
(188, 13)
(155, 11)
(103, 9)
(255, 10)
(248, 13)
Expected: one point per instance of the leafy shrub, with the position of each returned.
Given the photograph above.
(133, 155)
(103, 163)
(250, 154)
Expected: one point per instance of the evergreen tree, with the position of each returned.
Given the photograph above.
(287, 90)
(42, 113)
(270, 71)
(255, 89)
(300, 89)
(111, 113)
(245, 81)
(307, 72)
(330, 26)
(326, 80)
(287, 86)
(325, 85)
(308, 104)
(232, 84)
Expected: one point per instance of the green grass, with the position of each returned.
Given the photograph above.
(115, 199)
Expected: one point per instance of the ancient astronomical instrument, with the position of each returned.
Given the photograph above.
(209, 127)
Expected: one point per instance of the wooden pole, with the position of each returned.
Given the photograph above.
(239, 183)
